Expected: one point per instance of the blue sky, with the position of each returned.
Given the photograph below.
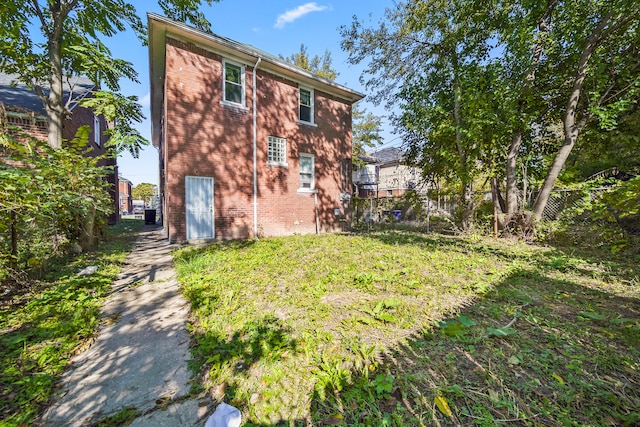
(277, 27)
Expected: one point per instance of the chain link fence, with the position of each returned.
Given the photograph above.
(562, 202)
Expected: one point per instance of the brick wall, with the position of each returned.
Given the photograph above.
(126, 200)
(203, 137)
(34, 126)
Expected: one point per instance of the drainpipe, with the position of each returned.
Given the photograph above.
(255, 152)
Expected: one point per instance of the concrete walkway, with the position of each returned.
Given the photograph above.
(139, 359)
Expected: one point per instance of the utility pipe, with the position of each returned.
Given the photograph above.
(255, 151)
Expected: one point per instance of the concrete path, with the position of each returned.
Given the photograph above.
(139, 359)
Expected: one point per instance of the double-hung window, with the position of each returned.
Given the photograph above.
(233, 90)
(306, 105)
(277, 151)
(307, 172)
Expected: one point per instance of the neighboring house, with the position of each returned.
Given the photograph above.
(25, 110)
(126, 199)
(249, 145)
(384, 175)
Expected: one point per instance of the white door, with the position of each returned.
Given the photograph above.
(199, 200)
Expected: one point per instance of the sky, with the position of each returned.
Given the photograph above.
(275, 26)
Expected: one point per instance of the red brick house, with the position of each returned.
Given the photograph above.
(249, 145)
(24, 109)
(126, 199)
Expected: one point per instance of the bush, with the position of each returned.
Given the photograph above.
(610, 221)
(50, 199)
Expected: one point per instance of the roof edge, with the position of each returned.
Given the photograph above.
(336, 89)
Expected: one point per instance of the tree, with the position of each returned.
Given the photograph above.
(319, 65)
(45, 44)
(366, 133)
(144, 192)
(72, 32)
(544, 62)
(598, 72)
(421, 56)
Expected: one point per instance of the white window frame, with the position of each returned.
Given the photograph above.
(242, 84)
(96, 130)
(280, 147)
(311, 107)
(312, 187)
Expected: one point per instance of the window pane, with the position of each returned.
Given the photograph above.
(232, 73)
(305, 97)
(233, 92)
(306, 171)
(305, 113)
(306, 165)
(305, 105)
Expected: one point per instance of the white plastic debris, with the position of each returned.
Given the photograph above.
(87, 271)
(224, 416)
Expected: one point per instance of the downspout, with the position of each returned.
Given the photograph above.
(255, 152)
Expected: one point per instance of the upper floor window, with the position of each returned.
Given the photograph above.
(277, 151)
(96, 130)
(233, 83)
(306, 105)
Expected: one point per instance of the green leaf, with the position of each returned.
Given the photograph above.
(592, 315)
(558, 378)
(378, 308)
(386, 317)
(466, 321)
(453, 329)
(500, 332)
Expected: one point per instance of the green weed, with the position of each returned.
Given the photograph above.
(400, 328)
(42, 329)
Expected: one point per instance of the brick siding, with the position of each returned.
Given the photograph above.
(203, 137)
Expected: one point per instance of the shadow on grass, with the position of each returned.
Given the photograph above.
(561, 258)
(534, 350)
(260, 340)
(41, 329)
(549, 344)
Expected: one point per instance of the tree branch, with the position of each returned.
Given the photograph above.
(41, 17)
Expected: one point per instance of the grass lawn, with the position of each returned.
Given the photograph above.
(405, 329)
(53, 320)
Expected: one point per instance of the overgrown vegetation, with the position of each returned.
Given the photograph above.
(400, 328)
(49, 200)
(42, 328)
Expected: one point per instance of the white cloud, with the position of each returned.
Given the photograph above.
(293, 14)
(145, 101)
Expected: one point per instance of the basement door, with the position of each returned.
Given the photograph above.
(199, 200)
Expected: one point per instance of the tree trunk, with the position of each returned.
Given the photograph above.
(571, 127)
(511, 167)
(494, 197)
(54, 105)
(88, 238)
(468, 207)
(466, 197)
(516, 140)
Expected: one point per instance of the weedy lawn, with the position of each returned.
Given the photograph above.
(52, 320)
(405, 329)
